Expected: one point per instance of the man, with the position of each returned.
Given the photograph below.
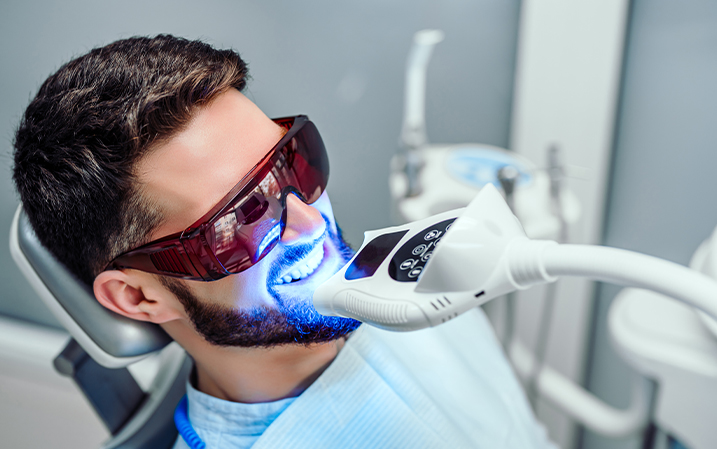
(145, 170)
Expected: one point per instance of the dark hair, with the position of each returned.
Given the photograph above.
(82, 136)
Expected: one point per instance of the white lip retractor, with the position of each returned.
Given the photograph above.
(429, 271)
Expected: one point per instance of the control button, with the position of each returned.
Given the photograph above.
(416, 252)
(419, 249)
(436, 242)
(432, 234)
(449, 227)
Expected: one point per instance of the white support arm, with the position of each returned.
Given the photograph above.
(413, 134)
(629, 269)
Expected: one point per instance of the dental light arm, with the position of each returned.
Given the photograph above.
(632, 269)
(413, 134)
(427, 272)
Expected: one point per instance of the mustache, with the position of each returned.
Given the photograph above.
(291, 254)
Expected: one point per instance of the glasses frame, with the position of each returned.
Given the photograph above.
(176, 255)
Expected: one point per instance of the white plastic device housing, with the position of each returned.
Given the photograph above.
(462, 272)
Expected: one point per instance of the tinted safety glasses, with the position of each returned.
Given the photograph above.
(249, 221)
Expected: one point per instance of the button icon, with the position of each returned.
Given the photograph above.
(419, 249)
(432, 234)
(406, 264)
(426, 256)
(449, 226)
(415, 272)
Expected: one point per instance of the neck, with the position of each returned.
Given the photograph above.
(253, 375)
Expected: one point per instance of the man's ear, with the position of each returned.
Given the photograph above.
(135, 296)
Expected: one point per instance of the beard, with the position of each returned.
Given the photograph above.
(293, 320)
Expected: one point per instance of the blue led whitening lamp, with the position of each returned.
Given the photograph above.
(397, 280)
(430, 271)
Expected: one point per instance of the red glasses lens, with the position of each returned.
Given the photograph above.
(239, 241)
(252, 224)
(310, 162)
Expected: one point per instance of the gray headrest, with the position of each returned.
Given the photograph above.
(111, 339)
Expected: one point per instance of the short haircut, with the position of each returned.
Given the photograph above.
(80, 139)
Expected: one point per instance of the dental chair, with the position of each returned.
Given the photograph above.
(102, 345)
(676, 345)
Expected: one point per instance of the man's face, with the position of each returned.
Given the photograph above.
(270, 303)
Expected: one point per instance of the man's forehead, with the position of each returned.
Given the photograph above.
(189, 173)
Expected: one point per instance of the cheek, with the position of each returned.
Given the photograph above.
(249, 288)
(243, 290)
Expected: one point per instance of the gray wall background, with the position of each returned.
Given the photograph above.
(662, 199)
(341, 63)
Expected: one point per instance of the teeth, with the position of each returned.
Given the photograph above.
(305, 267)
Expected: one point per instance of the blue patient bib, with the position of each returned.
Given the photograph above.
(444, 387)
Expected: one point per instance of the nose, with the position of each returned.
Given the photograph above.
(304, 223)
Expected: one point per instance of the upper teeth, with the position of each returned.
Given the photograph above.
(305, 267)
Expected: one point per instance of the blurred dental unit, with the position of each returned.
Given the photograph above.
(131, 376)
(670, 344)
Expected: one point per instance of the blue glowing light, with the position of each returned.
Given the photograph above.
(273, 234)
(295, 302)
